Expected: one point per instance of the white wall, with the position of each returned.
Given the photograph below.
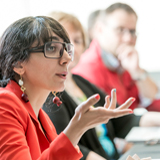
(148, 43)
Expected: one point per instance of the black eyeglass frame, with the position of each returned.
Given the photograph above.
(65, 46)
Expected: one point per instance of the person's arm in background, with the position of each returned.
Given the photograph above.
(129, 59)
(150, 119)
(94, 156)
(88, 154)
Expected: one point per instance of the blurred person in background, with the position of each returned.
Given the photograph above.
(92, 19)
(97, 143)
(112, 61)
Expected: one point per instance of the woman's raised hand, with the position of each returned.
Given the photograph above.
(87, 117)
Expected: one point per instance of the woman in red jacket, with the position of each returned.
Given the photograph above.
(34, 56)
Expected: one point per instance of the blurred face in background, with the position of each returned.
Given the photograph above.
(119, 28)
(77, 40)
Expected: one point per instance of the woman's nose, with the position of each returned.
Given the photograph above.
(66, 58)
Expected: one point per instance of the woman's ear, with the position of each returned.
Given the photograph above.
(18, 68)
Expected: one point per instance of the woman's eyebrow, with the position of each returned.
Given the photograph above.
(54, 38)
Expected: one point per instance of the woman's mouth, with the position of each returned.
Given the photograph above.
(62, 75)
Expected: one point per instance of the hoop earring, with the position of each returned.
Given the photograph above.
(24, 95)
(56, 100)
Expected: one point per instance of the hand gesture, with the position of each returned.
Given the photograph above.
(90, 116)
(87, 117)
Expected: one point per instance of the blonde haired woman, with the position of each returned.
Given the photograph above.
(77, 90)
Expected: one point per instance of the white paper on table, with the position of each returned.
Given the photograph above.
(135, 157)
(140, 134)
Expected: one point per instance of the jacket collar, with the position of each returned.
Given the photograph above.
(44, 119)
(15, 88)
(111, 62)
(108, 59)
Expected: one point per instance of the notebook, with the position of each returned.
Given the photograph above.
(143, 134)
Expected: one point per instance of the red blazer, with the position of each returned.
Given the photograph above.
(21, 136)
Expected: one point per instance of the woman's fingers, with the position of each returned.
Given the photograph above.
(120, 113)
(88, 116)
(113, 99)
(103, 114)
(108, 114)
(107, 102)
(83, 107)
(126, 104)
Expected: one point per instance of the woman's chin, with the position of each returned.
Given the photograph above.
(61, 89)
(58, 88)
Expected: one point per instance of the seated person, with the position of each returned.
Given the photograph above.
(112, 61)
(92, 19)
(97, 143)
(35, 53)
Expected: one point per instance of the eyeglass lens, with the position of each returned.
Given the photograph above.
(53, 50)
(122, 31)
(70, 49)
(56, 49)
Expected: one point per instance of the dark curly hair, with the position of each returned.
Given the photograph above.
(19, 37)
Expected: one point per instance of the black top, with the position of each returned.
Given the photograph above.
(118, 127)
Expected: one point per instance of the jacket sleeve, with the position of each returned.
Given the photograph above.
(13, 141)
(154, 106)
(61, 149)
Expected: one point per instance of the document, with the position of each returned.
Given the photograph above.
(143, 134)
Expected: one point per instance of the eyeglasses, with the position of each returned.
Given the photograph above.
(122, 31)
(55, 50)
